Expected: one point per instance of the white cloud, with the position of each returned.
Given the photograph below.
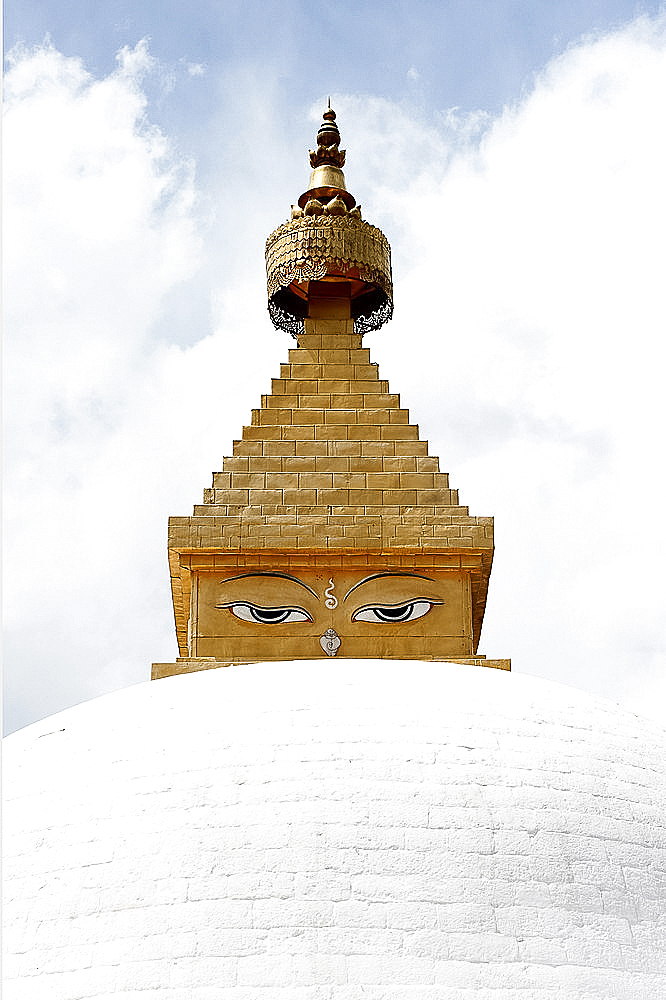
(528, 337)
(100, 225)
(528, 257)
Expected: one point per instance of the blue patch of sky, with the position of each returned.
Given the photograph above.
(260, 57)
(467, 53)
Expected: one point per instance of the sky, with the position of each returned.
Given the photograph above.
(514, 154)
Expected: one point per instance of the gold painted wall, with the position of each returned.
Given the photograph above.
(268, 614)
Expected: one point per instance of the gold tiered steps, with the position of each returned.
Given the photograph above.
(331, 465)
(331, 460)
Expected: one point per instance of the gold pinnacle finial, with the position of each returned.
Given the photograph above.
(326, 243)
(327, 152)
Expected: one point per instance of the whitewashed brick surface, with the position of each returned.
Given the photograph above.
(337, 830)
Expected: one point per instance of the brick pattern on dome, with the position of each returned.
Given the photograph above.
(337, 835)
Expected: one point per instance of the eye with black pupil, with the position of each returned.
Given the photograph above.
(394, 614)
(266, 616)
(271, 616)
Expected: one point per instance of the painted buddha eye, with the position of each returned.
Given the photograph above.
(267, 616)
(388, 613)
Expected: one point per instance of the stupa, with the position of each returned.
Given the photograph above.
(331, 530)
(352, 807)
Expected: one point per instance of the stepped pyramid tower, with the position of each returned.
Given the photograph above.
(330, 529)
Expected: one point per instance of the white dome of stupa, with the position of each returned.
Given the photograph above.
(337, 830)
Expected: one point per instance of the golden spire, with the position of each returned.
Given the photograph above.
(328, 141)
(327, 181)
(326, 240)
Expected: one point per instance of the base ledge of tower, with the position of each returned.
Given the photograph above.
(190, 665)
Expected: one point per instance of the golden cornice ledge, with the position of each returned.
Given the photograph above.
(325, 246)
(309, 248)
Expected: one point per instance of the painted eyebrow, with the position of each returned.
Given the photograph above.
(281, 576)
(377, 576)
